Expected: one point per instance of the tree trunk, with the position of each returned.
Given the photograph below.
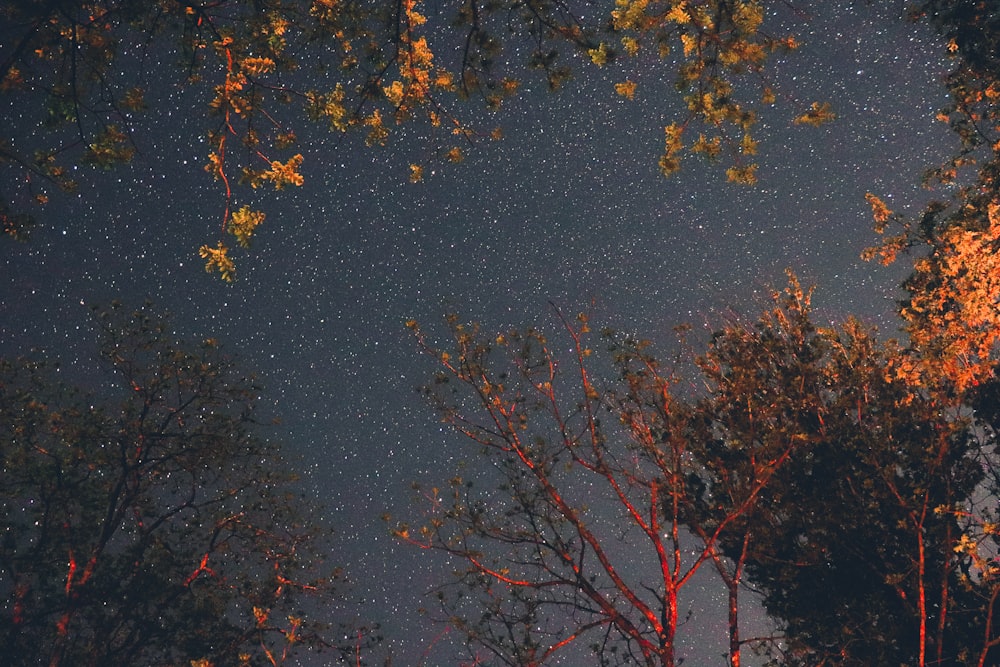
(734, 626)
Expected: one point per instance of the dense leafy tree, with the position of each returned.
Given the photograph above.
(158, 529)
(855, 541)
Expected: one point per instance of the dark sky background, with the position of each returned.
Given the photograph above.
(570, 208)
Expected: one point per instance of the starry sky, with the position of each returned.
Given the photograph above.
(568, 208)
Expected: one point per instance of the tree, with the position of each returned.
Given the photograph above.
(760, 413)
(806, 466)
(608, 500)
(951, 315)
(863, 525)
(89, 69)
(155, 528)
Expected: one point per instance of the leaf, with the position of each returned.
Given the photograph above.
(818, 114)
(217, 259)
(626, 89)
(670, 160)
(678, 14)
(599, 56)
(748, 15)
(282, 174)
(745, 175)
(377, 133)
(110, 148)
(394, 93)
(242, 224)
(710, 148)
(690, 44)
(880, 212)
(285, 140)
(134, 99)
(257, 66)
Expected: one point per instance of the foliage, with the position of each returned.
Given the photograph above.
(852, 499)
(91, 69)
(217, 258)
(851, 482)
(854, 546)
(244, 223)
(951, 312)
(720, 44)
(157, 530)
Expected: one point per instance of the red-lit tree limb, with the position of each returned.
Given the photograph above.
(555, 554)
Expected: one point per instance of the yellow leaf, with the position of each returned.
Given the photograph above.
(377, 134)
(282, 174)
(678, 14)
(394, 92)
(669, 161)
(745, 175)
(710, 148)
(444, 80)
(818, 114)
(599, 56)
(748, 15)
(217, 259)
(243, 223)
(626, 89)
(257, 66)
(690, 43)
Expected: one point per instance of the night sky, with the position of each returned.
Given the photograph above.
(570, 208)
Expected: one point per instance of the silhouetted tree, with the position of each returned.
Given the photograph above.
(608, 499)
(157, 526)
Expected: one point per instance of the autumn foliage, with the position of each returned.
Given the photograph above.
(364, 68)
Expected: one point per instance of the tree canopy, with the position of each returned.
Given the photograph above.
(160, 528)
(263, 68)
(85, 69)
(801, 463)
